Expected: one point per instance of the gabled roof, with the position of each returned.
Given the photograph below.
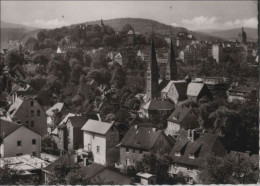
(95, 126)
(58, 106)
(130, 32)
(14, 107)
(156, 104)
(77, 121)
(91, 171)
(65, 158)
(7, 127)
(202, 145)
(179, 114)
(194, 89)
(141, 138)
(181, 87)
(66, 118)
(118, 55)
(62, 123)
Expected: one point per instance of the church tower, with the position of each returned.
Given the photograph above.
(152, 76)
(171, 68)
(242, 37)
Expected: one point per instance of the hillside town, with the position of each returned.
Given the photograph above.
(86, 104)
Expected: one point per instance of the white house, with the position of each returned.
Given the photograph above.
(17, 140)
(119, 59)
(98, 138)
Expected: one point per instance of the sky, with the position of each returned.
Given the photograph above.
(194, 15)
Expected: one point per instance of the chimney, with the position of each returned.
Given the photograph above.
(193, 135)
(136, 126)
(76, 158)
(85, 162)
(189, 133)
(154, 129)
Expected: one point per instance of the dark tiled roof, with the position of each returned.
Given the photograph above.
(60, 161)
(78, 121)
(163, 84)
(7, 127)
(181, 88)
(179, 114)
(156, 104)
(92, 169)
(141, 138)
(202, 145)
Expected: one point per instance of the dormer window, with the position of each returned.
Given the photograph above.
(178, 153)
(192, 156)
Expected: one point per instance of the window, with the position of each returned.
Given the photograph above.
(19, 143)
(89, 146)
(98, 149)
(38, 112)
(34, 153)
(32, 113)
(127, 149)
(133, 150)
(19, 154)
(177, 153)
(112, 137)
(189, 168)
(34, 141)
(32, 123)
(27, 123)
(32, 103)
(140, 152)
(93, 135)
(191, 156)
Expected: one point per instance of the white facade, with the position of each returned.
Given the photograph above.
(217, 52)
(97, 144)
(172, 128)
(10, 146)
(187, 171)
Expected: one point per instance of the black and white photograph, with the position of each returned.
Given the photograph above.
(129, 92)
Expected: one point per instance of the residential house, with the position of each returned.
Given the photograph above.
(175, 91)
(29, 113)
(64, 49)
(190, 152)
(217, 85)
(99, 137)
(17, 139)
(75, 134)
(60, 133)
(143, 55)
(30, 167)
(181, 118)
(196, 91)
(242, 94)
(146, 178)
(58, 107)
(119, 59)
(93, 172)
(140, 140)
(156, 107)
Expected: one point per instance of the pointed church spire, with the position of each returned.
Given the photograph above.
(102, 24)
(152, 75)
(171, 68)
